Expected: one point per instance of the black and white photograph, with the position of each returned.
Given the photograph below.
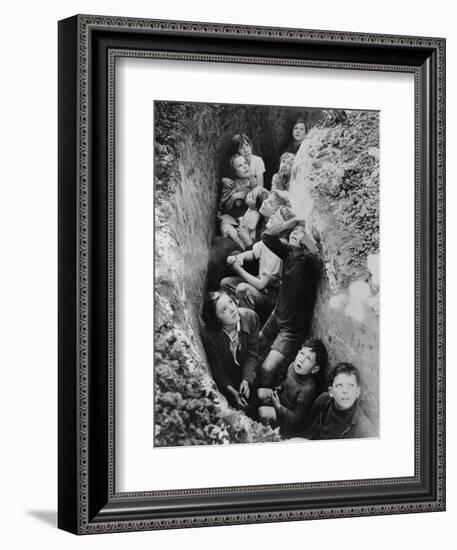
(266, 273)
(225, 299)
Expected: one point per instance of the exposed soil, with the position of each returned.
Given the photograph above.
(335, 185)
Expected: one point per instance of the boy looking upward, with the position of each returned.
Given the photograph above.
(289, 323)
(337, 414)
(290, 405)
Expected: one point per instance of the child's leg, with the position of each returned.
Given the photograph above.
(230, 284)
(283, 350)
(266, 338)
(270, 366)
(245, 236)
(267, 415)
(264, 395)
(248, 296)
(228, 230)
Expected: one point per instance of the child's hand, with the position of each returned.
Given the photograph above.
(239, 195)
(243, 235)
(274, 400)
(238, 400)
(250, 200)
(231, 260)
(236, 267)
(290, 224)
(244, 389)
(235, 260)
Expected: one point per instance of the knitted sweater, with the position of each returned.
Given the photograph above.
(296, 397)
(324, 422)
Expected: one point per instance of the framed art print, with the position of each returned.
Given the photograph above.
(251, 274)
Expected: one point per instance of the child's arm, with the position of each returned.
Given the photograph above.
(240, 258)
(214, 360)
(279, 228)
(251, 358)
(260, 171)
(274, 182)
(275, 245)
(238, 399)
(295, 417)
(311, 245)
(260, 283)
(245, 236)
(260, 180)
(229, 194)
(227, 230)
(248, 224)
(314, 412)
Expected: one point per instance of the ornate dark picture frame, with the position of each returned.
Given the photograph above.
(88, 501)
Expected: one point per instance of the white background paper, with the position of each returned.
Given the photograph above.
(139, 466)
(28, 224)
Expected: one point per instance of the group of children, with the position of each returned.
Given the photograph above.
(257, 324)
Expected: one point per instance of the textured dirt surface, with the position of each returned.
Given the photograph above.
(188, 410)
(335, 187)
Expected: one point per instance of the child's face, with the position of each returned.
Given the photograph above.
(296, 238)
(268, 207)
(227, 311)
(275, 219)
(285, 166)
(241, 167)
(344, 391)
(299, 131)
(246, 150)
(305, 362)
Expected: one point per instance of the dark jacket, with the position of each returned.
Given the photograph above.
(358, 426)
(296, 397)
(217, 346)
(297, 294)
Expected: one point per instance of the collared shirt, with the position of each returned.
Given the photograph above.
(269, 263)
(234, 338)
(220, 357)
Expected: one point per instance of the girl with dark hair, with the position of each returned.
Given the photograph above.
(231, 342)
(298, 135)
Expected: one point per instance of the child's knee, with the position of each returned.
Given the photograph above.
(270, 364)
(225, 229)
(244, 295)
(264, 395)
(243, 287)
(227, 285)
(267, 415)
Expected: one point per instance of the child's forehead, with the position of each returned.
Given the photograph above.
(223, 300)
(345, 376)
(299, 229)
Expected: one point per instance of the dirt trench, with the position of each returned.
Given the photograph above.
(190, 141)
